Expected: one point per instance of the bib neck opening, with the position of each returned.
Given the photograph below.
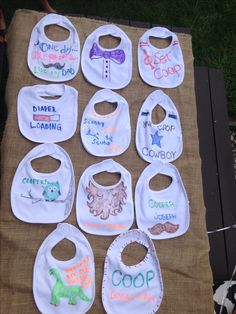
(64, 251)
(50, 93)
(56, 33)
(161, 43)
(45, 166)
(106, 180)
(105, 108)
(109, 42)
(160, 183)
(158, 115)
(133, 254)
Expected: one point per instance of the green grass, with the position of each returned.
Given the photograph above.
(212, 24)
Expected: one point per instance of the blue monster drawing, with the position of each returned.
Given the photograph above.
(51, 191)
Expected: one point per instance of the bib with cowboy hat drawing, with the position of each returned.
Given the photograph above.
(47, 120)
(162, 141)
(64, 287)
(110, 134)
(55, 61)
(131, 289)
(160, 67)
(104, 210)
(161, 214)
(43, 197)
(107, 68)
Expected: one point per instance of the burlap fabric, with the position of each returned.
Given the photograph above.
(184, 261)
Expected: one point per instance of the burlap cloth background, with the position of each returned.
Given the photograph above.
(184, 261)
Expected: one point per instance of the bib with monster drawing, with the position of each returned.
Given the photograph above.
(104, 210)
(43, 197)
(64, 286)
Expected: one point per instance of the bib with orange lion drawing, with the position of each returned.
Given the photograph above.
(105, 210)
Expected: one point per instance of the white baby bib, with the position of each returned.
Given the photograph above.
(55, 61)
(104, 210)
(47, 120)
(64, 287)
(107, 68)
(160, 67)
(106, 135)
(43, 197)
(131, 289)
(161, 214)
(162, 141)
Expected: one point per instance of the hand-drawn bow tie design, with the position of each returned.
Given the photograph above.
(117, 55)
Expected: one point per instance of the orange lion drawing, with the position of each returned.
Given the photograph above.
(105, 202)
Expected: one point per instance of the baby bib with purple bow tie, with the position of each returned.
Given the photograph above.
(107, 68)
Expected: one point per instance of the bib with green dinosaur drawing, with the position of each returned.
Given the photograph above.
(64, 287)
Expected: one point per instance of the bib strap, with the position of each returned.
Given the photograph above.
(110, 29)
(105, 95)
(59, 20)
(50, 90)
(160, 32)
(124, 239)
(47, 149)
(158, 97)
(108, 165)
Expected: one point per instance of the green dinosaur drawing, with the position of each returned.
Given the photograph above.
(59, 291)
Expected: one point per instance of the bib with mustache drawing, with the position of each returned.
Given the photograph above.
(160, 67)
(136, 289)
(104, 210)
(161, 214)
(47, 120)
(110, 134)
(162, 141)
(64, 287)
(55, 61)
(43, 197)
(107, 68)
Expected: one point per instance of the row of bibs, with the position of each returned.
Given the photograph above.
(69, 286)
(101, 210)
(162, 141)
(43, 197)
(106, 135)
(42, 118)
(64, 287)
(105, 210)
(58, 61)
(49, 120)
